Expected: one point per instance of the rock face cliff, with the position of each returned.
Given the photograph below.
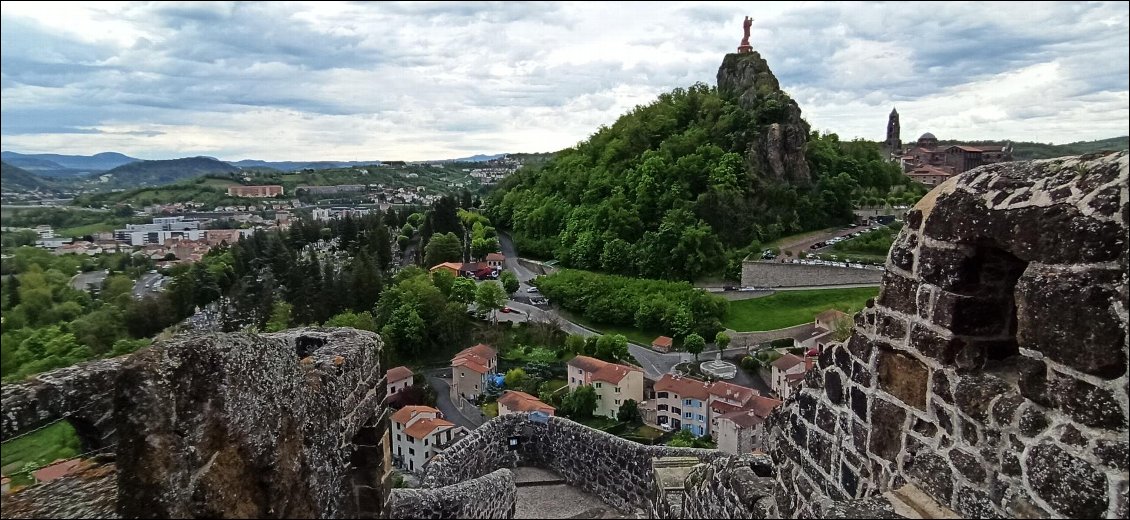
(777, 149)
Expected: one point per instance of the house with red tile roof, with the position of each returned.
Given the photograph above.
(614, 383)
(742, 431)
(418, 433)
(690, 404)
(470, 370)
(397, 379)
(513, 401)
(496, 260)
(787, 372)
(662, 344)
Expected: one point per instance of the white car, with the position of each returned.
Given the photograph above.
(532, 290)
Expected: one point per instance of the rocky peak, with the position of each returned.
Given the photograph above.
(778, 146)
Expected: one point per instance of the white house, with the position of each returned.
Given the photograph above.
(396, 379)
(418, 433)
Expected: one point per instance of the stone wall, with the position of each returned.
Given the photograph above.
(535, 267)
(732, 487)
(616, 470)
(756, 273)
(991, 373)
(490, 496)
(261, 426)
(81, 394)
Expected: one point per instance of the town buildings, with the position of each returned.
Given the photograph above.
(470, 370)
(787, 372)
(397, 379)
(614, 383)
(269, 190)
(513, 401)
(730, 413)
(930, 163)
(418, 433)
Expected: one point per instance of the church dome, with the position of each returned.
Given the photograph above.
(927, 135)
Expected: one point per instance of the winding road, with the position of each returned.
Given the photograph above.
(654, 364)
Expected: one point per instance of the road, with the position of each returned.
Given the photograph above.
(149, 283)
(443, 399)
(88, 281)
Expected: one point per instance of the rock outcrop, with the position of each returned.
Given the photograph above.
(282, 425)
(991, 373)
(81, 394)
(90, 491)
(777, 150)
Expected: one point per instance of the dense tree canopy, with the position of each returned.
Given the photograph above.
(665, 191)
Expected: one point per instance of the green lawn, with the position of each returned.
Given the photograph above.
(57, 441)
(648, 432)
(788, 308)
(88, 229)
(490, 409)
(634, 335)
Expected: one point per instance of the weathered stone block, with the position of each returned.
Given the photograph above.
(975, 392)
(1005, 409)
(887, 424)
(972, 315)
(1113, 453)
(932, 345)
(1049, 304)
(833, 388)
(859, 403)
(859, 347)
(1067, 483)
(967, 465)
(903, 377)
(971, 503)
(1088, 404)
(931, 473)
(899, 293)
(1032, 421)
(952, 270)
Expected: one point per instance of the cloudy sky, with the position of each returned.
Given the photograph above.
(298, 81)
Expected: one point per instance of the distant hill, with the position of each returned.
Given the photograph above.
(66, 165)
(157, 173)
(15, 178)
(1023, 150)
(478, 158)
(298, 165)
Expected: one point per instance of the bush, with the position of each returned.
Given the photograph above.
(782, 343)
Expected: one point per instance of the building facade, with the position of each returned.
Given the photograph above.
(397, 379)
(614, 383)
(267, 190)
(470, 370)
(418, 433)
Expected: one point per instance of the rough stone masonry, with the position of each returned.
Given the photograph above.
(991, 372)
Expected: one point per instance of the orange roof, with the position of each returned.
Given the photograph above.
(395, 374)
(406, 414)
(661, 341)
(455, 266)
(56, 470)
(602, 370)
(732, 392)
(476, 358)
(424, 427)
(496, 257)
(787, 361)
(523, 402)
(682, 386)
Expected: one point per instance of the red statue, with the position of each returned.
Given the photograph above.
(745, 47)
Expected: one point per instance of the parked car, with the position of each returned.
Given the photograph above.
(532, 290)
(507, 309)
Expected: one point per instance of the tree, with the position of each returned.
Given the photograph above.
(580, 403)
(516, 379)
(443, 247)
(407, 230)
(613, 347)
(443, 280)
(362, 321)
(575, 343)
(489, 297)
(509, 282)
(842, 330)
(694, 344)
(405, 332)
(629, 412)
(721, 340)
(280, 317)
(463, 290)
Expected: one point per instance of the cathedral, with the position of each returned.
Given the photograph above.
(927, 162)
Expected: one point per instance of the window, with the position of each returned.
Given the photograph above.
(426, 440)
(661, 395)
(572, 380)
(688, 415)
(662, 408)
(597, 397)
(462, 374)
(598, 385)
(617, 389)
(476, 387)
(617, 401)
(393, 390)
(398, 437)
(701, 418)
(400, 450)
(686, 402)
(411, 451)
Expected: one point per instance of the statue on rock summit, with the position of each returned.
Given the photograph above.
(745, 47)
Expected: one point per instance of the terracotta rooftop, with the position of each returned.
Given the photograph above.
(787, 361)
(424, 427)
(406, 414)
(476, 358)
(731, 392)
(395, 374)
(602, 370)
(744, 418)
(662, 341)
(496, 257)
(450, 265)
(56, 470)
(684, 387)
(523, 402)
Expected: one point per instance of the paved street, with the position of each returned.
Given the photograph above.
(443, 400)
(149, 283)
(88, 281)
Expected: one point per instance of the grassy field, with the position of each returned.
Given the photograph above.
(57, 441)
(788, 308)
(634, 335)
(88, 229)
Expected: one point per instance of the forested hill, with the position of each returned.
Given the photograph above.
(17, 178)
(1023, 150)
(155, 173)
(687, 185)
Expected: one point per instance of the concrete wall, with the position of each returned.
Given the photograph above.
(991, 373)
(614, 469)
(778, 274)
(490, 496)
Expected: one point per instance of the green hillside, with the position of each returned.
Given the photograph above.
(1023, 150)
(156, 173)
(675, 189)
(17, 179)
